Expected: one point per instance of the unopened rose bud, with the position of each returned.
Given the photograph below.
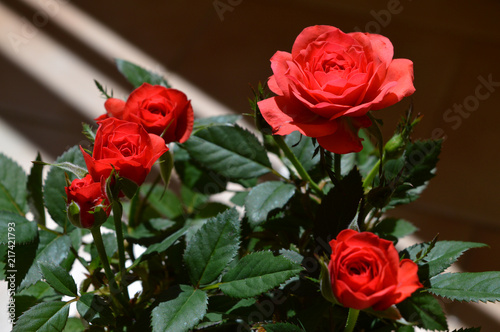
(73, 211)
(87, 205)
(394, 148)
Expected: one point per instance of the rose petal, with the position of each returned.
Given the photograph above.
(285, 117)
(308, 35)
(345, 139)
(399, 72)
(279, 65)
(115, 107)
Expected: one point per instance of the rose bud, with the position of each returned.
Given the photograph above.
(124, 147)
(160, 110)
(87, 204)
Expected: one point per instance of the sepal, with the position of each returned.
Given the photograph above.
(73, 211)
(325, 283)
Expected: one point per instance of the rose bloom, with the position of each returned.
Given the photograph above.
(162, 111)
(365, 271)
(126, 147)
(329, 83)
(88, 195)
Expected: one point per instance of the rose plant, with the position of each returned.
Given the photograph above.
(302, 244)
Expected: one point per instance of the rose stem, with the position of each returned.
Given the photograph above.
(298, 166)
(117, 216)
(113, 287)
(369, 178)
(352, 317)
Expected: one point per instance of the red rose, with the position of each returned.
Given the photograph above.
(126, 147)
(330, 81)
(88, 197)
(365, 271)
(162, 111)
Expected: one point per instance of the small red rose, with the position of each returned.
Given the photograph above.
(365, 271)
(162, 111)
(88, 196)
(126, 147)
(330, 81)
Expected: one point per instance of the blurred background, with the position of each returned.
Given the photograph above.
(216, 50)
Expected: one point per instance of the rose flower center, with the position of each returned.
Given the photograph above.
(359, 269)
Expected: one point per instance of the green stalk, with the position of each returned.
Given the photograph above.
(369, 178)
(352, 318)
(214, 286)
(298, 166)
(117, 217)
(113, 286)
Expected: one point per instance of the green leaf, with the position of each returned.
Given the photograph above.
(257, 273)
(166, 162)
(220, 120)
(213, 247)
(160, 247)
(54, 187)
(79, 171)
(303, 148)
(59, 279)
(163, 201)
(181, 313)
(231, 151)
(282, 327)
(94, 309)
(165, 244)
(103, 90)
(19, 266)
(74, 325)
(137, 75)
(41, 291)
(16, 228)
(35, 191)
(344, 199)
(110, 244)
(420, 161)
(239, 198)
(195, 176)
(192, 200)
(150, 228)
(266, 197)
(44, 317)
(425, 310)
(440, 257)
(89, 132)
(209, 210)
(394, 227)
(421, 158)
(13, 194)
(127, 186)
(467, 286)
(291, 255)
(37, 293)
(52, 249)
